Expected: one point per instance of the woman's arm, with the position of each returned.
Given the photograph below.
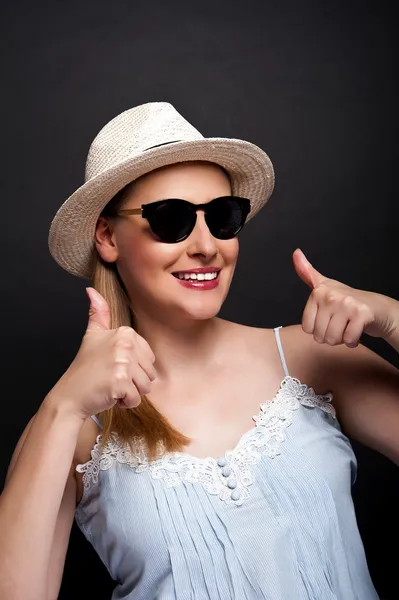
(393, 337)
(366, 395)
(37, 505)
(365, 387)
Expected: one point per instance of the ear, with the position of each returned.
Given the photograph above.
(105, 240)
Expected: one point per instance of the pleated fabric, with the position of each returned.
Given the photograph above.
(273, 518)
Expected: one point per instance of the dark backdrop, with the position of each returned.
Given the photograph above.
(312, 83)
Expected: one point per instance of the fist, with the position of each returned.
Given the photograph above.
(338, 314)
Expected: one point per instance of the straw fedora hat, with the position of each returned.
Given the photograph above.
(135, 142)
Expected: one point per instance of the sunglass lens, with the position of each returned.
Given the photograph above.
(226, 216)
(172, 220)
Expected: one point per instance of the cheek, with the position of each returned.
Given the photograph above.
(229, 250)
(142, 258)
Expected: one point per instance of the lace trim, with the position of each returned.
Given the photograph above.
(229, 476)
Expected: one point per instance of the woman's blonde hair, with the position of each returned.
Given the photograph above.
(144, 421)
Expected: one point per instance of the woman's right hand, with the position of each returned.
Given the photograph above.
(112, 366)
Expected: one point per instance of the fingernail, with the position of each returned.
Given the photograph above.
(355, 345)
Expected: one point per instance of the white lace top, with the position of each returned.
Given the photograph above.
(272, 518)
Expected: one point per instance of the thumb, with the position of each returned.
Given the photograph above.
(99, 313)
(305, 270)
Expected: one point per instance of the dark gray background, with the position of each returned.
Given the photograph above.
(313, 83)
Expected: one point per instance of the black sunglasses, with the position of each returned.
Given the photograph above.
(173, 220)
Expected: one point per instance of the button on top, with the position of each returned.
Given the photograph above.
(226, 471)
(222, 461)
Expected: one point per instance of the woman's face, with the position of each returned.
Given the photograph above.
(149, 267)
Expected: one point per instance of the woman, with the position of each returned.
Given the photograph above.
(182, 491)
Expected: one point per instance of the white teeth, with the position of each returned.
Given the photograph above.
(197, 276)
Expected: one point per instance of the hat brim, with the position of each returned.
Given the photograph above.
(71, 235)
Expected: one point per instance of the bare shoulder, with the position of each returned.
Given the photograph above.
(323, 367)
(334, 368)
(365, 387)
(260, 344)
(303, 356)
(317, 365)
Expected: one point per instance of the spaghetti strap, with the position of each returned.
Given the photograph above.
(97, 420)
(280, 349)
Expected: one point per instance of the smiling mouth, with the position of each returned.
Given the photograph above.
(209, 276)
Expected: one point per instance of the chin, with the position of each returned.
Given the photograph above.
(199, 312)
(204, 315)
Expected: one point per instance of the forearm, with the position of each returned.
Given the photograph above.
(30, 502)
(393, 337)
(393, 340)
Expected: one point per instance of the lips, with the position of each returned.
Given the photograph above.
(199, 274)
(199, 270)
(196, 276)
(199, 279)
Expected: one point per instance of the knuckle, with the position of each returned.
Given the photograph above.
(123, 330)
(330, 297)
(320, 291)
(316, 294)
(364, 311)
(124, 338)
(348, 302)
(125, 333)
(121, 376)
(125, 344)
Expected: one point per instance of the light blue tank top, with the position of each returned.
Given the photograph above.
(273, 518)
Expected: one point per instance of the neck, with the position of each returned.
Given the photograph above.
(180, 348)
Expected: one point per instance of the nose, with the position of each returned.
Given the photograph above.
(201, 242)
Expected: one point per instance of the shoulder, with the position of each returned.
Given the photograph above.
(302, 354)
(305, 358)
(321, 366)
(333, 364)
(337, 357)
(365, 387)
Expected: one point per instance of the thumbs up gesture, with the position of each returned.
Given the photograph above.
(338, 314)
(112, 366)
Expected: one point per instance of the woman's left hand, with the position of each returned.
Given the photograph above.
(338, 314)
